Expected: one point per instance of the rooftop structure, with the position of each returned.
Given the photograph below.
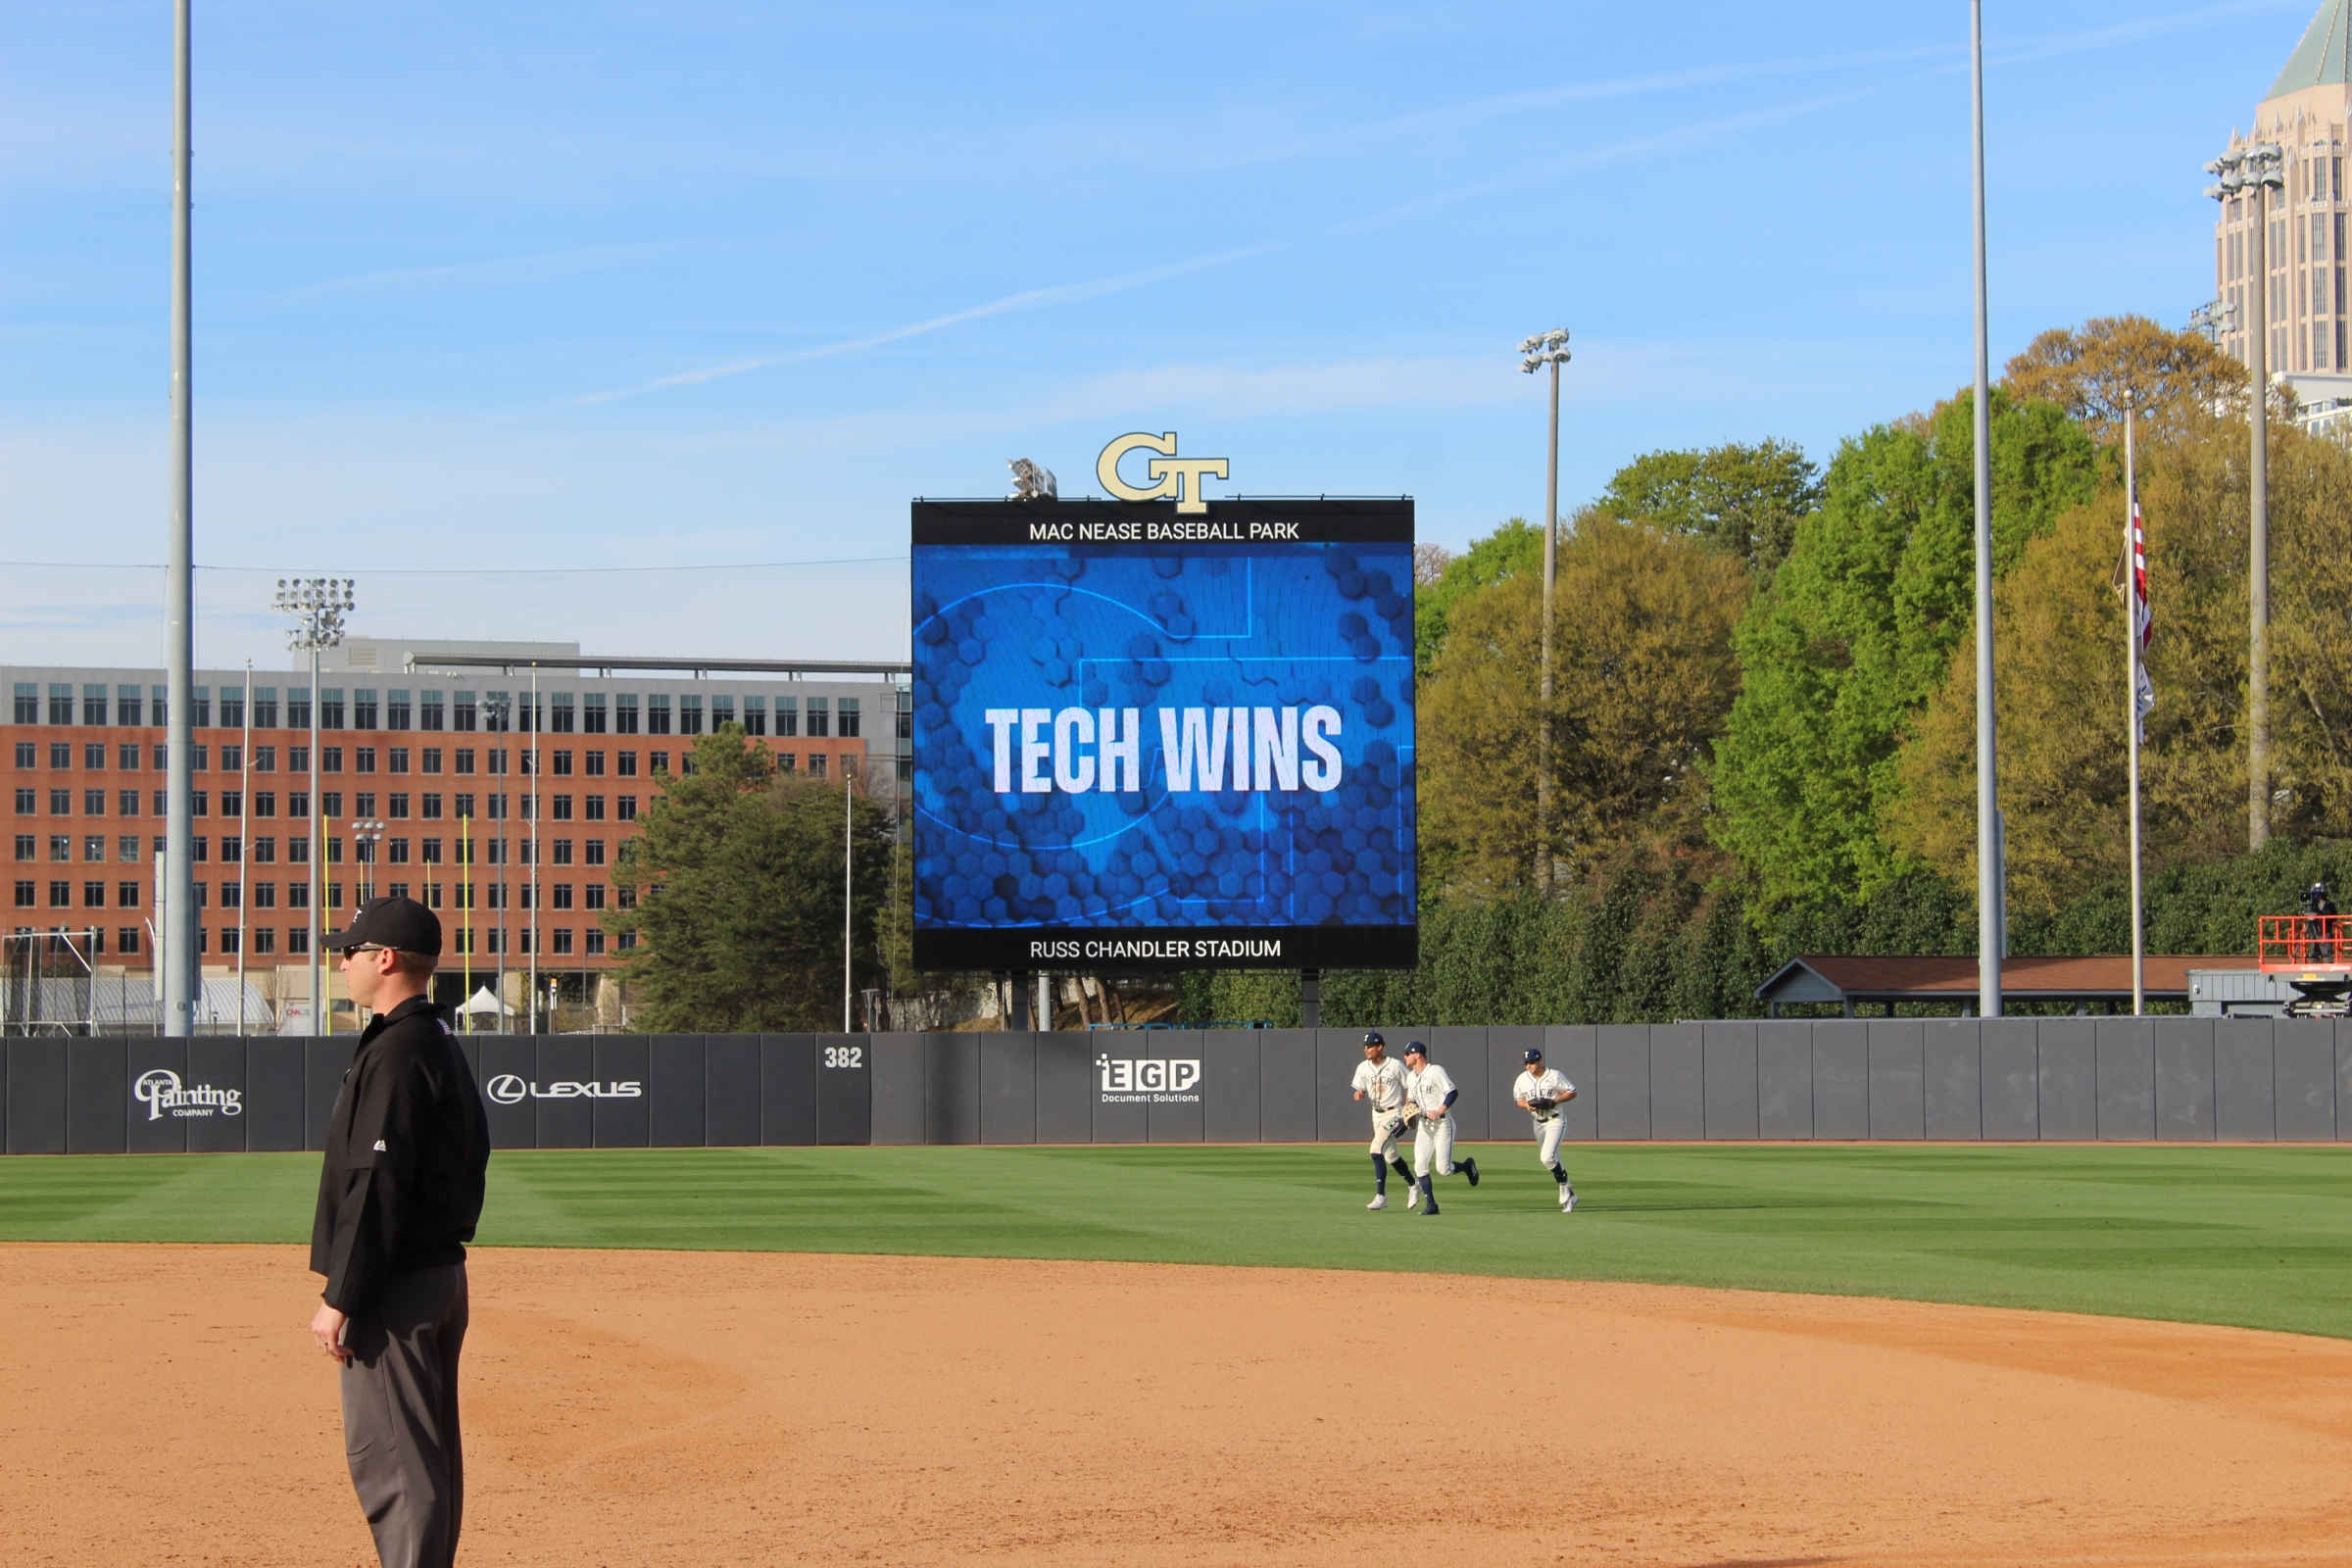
(1850, 981)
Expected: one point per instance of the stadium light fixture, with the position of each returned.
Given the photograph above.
(318, 605)
(1548, 349)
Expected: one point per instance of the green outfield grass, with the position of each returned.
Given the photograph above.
(2256, 1237)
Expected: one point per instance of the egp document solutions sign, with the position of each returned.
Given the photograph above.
(1165, 733)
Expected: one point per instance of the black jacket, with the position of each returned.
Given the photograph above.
(406, 1152)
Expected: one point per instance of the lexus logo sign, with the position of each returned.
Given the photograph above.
(508, 1089)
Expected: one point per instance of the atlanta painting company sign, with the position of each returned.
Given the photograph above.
(162, 1093)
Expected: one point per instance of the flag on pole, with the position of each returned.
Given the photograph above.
(2143, 618)
(2132, 578)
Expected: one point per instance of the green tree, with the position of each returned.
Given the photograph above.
(732, 889)
(1514, 549)
(1743, 501)
(1857, 628)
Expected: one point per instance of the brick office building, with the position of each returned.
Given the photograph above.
(414, 748)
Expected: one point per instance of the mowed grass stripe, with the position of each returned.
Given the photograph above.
(2255, 1237)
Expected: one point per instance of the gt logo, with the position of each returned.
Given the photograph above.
(1179, 478)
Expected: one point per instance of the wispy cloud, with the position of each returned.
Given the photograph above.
(1026, 300)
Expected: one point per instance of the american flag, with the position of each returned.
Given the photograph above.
(2144, 619)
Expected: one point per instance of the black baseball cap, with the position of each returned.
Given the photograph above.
(1372, 1038)
(401, 923)
(1415, 1048)
(1533, 1055)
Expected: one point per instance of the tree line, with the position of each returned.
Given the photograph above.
(1763, 727)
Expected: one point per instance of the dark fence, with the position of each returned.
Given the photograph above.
(1955, 1080)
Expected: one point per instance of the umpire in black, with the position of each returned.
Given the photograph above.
(397, 1201)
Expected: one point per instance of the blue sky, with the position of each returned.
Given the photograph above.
(489, 289)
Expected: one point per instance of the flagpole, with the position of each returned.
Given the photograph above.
(2132, 559)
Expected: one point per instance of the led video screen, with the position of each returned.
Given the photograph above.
(1152, 741)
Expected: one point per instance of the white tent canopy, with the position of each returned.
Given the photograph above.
(482, 1001)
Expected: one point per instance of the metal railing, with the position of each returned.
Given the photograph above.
(2303, 943)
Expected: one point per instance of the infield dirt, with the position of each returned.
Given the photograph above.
(163, 1404)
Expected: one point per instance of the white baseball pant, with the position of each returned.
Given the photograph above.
(1547, 1139)
(1433, 1146)
(1384, 1126)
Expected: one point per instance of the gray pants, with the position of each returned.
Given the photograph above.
(400, 1416)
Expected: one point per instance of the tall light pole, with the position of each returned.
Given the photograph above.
(498, 707)
(244, 833)
(2254, 172)
(366, 835)
(177, 895)
(538, 722)
(1547, 348)
(2215, 319)
(1992, 873)
(318, 605)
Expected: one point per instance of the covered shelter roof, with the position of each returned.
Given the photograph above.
(2325, 56)
(1848, 980)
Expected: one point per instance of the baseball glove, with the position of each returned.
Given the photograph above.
(1542, 1104)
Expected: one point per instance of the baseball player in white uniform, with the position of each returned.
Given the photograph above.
(1429, 1096)
(1381, 1077)
(1540, 1092)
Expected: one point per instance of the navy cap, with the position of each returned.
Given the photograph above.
(401, 923)
(1372, 1038)
(1415, 1048)
(1533, 1055)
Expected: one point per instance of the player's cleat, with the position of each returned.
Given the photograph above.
(1412, 1199)
(1379, 1200)
(1567, 1199)
(1429, 1205)
(1470, 1169)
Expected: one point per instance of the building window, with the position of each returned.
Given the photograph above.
(126, 849)
(298, 758)
(93, 848)
(563, 763)
(432, 760)
(657, 761)
(595, 856)
(560, 713)
(722, 712)
(330, 707)
(93, 705)
(656, 714)
(624, 940)
(786, 762)
(232, 803)
(592, 714)
(60, 802)
(690, 714)
(27, 802)
(232, 706)
(93, 895)
(626, 765)
(93, 803)
(126, 938)
(93, 756)
(849, 718)
(596, 944)
(364, 802)
(331, 760)
(330, 803)
(298, 710)
(596, 807)
(432, 852)
(464, 759)
(232, 850)
(625, 808)
(399, 807)
(298, 852)
(816, 764)
(298, 803)
(432, 805)
(262, 852)
(26, 754)
(819, 721)
(264, 939)
(130, 706)
(230, 895)
(596, 765)
(61, 846)
(562, 808)
(464, 707)
(625, 713)
(265, 895)
(61, 753)
(61, 894)
(265, 707)
(788, 715)
(127, 895)
(363, 760)
(28, 847)
(61, 703)
(399, 849)
(463, 805)
(27, 894)
(596, 895)
(755, 715)
(429, 710)
(563, 942)
(362, 709)
(298, 939)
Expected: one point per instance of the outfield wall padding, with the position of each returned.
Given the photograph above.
(2169, 1080)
